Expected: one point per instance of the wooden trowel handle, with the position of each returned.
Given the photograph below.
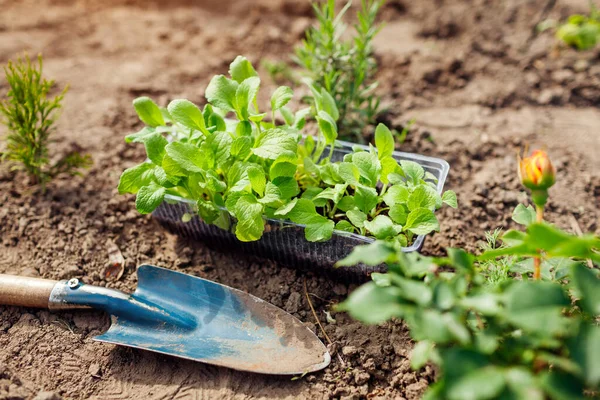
(25, 291)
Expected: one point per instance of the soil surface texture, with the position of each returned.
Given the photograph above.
(479, 80)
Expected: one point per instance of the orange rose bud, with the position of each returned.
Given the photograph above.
(537, 172)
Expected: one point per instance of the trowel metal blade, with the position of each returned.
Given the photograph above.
(227, 327)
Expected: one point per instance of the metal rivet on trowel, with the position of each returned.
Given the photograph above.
(73, 283)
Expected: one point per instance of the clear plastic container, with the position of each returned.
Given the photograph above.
(284, 241)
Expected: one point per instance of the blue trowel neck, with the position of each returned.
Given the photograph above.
(74, 294)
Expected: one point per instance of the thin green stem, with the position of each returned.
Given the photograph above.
(331, 150)
(537, 261)
(333, 210)
(383, 189)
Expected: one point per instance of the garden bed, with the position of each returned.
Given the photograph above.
(471, 97)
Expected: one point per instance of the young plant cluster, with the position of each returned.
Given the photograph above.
(581, 31)
(519, 339)
(30, 116)
(250, 167)
(344, 68)
(491, 336)
(497, 270)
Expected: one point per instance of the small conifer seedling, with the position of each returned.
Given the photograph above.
(29, 116)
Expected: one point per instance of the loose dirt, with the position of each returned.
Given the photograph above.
(478, 80)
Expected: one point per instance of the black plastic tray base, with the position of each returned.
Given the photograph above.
(284, 244)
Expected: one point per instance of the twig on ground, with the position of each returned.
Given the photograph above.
(64, 324)
(319, 323)
(318, 297)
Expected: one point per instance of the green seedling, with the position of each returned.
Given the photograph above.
(496, 338)
(519, 339)
(581, 31)
(511, 266)
(279, 71)
(345, 69)
(253, 168)
(29, 116)
(494, 270)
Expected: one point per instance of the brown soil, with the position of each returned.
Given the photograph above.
(477, 80)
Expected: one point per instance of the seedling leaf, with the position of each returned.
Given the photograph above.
(241, 69)
(149, 197)
(148, 112)
(281, 96)
(187, 114)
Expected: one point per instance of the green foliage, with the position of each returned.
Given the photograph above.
(515, 340)
(252, 168)
(515, 261)
(549, 240)
(30, 116)
(279, 71)
(498, 269)
(523, 215)
(344, 68)
(581, 31)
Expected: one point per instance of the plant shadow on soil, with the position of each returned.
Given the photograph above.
(461, 71)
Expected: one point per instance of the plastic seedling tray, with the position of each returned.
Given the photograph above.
(284, 241)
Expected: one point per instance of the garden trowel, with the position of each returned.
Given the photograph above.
(185, 316)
